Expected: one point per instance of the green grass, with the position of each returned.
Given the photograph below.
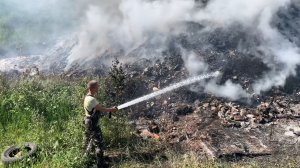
(49, 112)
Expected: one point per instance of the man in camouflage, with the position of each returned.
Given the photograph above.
(93, 133)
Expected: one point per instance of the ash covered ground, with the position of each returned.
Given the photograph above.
(251, 112)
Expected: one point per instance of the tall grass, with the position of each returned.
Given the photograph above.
(49, 112)
(45, 112)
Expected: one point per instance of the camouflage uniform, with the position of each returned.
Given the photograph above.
(93, 138)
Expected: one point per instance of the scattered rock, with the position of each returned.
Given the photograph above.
(239, 118)
(181, 138)
(295, 108)
(147, 134)
(214, 109)
(197, 103)
(183, 110)
(205, 105)
(175, 118)
(243, 112)
(154, 128)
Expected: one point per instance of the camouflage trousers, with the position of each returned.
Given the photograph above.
(93, 139)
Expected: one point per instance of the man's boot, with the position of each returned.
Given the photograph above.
(100, 159)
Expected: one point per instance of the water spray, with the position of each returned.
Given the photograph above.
(170, 88)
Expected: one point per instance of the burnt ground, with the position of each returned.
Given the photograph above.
(267, 128)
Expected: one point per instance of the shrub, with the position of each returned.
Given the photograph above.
(115, 83)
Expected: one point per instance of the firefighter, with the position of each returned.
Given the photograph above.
(93, 134)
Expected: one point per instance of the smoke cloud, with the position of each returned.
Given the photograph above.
(194, 64)
(228, 90)
(31, 27)
(126, 24)
(133, 29)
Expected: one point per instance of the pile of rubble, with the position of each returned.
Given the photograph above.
(218, 128)
(266, 112)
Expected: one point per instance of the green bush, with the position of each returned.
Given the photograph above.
(115, 83)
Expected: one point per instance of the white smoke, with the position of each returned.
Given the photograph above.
(31, 26)
(245, 12)
(126, 24)
(193, 63)
(120, 26)
(256, 15)
(285, 53)
(228, 90)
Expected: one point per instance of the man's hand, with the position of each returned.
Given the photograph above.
(114, 109)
